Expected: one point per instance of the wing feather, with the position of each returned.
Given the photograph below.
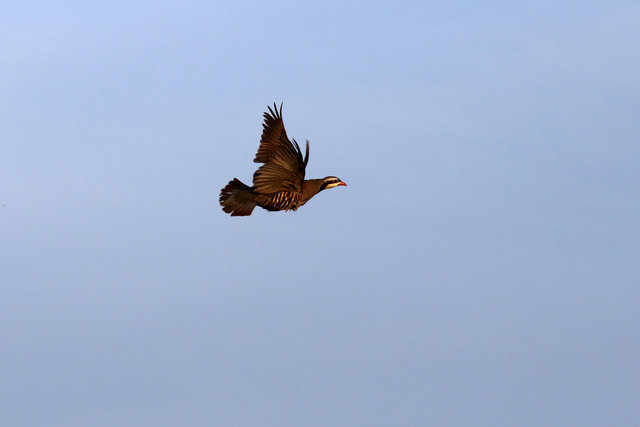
(274, 135)
(284, 166)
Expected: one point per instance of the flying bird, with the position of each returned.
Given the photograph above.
(279, 183)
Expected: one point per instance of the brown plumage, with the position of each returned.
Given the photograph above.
(279, 183)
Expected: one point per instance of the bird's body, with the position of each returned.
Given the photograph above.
(279, 183)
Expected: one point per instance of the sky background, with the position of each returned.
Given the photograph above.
(481, 268)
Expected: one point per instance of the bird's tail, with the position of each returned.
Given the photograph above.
(237, 199)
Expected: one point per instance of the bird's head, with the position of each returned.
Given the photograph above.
(330, 182)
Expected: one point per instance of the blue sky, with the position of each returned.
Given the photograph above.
(481, 268)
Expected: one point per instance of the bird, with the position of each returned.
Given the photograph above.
(279, 184)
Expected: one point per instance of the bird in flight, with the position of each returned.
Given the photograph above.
(279, 183)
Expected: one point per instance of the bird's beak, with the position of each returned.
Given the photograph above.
(343, 183)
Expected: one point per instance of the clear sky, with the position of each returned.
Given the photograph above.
(481, 268)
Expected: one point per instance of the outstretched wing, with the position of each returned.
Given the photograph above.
(284, 165)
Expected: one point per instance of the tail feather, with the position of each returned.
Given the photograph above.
(237, 199)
